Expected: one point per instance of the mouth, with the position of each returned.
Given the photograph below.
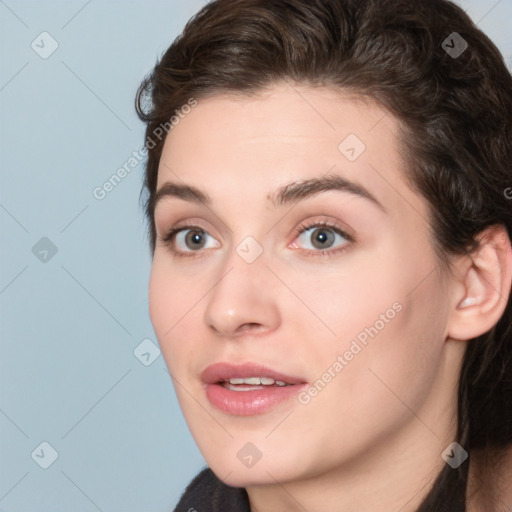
(250, 383)
(248, 389)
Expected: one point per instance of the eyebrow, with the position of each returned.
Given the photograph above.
(288, 194)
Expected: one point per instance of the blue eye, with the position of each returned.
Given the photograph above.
(321, 237)
(189, 239)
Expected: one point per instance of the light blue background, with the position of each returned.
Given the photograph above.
(69, 326)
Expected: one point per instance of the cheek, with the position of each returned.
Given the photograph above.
(385, 319)
(403, 352)
(370, 392)
(160, 301)
(168, 304)
(345, 299)
(172, 296)
(176, 308)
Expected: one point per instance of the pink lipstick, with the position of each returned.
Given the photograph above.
(248, 389)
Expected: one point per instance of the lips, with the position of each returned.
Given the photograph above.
(220, 372)
(248, 389)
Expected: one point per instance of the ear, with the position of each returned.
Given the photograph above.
(481, 286)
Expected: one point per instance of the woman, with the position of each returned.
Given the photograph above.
(330, 218)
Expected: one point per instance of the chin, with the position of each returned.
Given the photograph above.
(263, 472)
(246, 477)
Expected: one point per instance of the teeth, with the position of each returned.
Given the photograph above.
(256, 381)
(236, 381)
(237, 388)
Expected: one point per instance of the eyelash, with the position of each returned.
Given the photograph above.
(331, 226)
(168, 238)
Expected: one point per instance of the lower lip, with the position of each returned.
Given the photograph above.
(248, 403)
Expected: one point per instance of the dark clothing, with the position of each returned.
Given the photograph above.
(206, 493)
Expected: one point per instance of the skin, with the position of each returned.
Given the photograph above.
(383, 421)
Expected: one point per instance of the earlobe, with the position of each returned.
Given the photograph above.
(485, 289)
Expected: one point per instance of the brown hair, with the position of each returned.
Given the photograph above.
(456, 117)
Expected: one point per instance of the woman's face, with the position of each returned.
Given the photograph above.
(353, 315)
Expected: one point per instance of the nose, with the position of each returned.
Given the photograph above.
(243, 300)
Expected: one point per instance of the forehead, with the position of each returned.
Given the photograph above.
(257, 143)
(287, 113)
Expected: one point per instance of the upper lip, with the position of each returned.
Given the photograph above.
(221, 371)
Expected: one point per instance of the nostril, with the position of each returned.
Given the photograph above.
(250, 326)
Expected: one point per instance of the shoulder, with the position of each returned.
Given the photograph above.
(206, 493)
